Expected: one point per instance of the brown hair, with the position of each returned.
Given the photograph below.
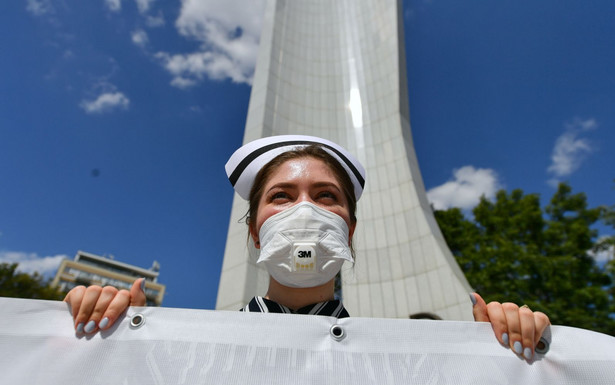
(313, 151)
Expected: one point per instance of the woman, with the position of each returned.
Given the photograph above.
(302, 192)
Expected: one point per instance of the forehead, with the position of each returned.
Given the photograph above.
(302, 169)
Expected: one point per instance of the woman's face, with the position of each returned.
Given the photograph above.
(299, 180)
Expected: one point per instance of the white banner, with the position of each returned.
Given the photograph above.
(180, 346)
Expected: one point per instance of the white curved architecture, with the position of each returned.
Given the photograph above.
(336, 69)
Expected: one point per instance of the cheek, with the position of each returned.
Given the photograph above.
(345, 216)
(262, 215)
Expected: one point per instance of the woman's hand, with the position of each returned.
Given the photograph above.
(514, 326)
(97, 308)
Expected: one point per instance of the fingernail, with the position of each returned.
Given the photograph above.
(505, 338)
(143, 285)
(527, 353)
(80, 327)
(517, 347)
(473, 299)
(103, 323)
(89, 327)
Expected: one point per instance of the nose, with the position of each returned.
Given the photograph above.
(304, 197)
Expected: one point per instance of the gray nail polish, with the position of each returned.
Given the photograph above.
(89, 327)
(103, 323)
(517, 347)
(505, 338)
(473, 299)
(143, 285)
(80, 327)
(527, 353)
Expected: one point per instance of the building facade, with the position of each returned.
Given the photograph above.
(89, 269)
(336, 69)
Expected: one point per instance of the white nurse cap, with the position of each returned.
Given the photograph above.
(248, 160)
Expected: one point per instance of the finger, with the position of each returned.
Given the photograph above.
(118, 305)
(511, 311)
(137, 293)
(526, 321)
(106, 296)
(541, 321)
(87, 306)
(479, 308)
(74, 298)
(497, 317)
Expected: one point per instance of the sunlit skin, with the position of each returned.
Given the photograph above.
(295, 181)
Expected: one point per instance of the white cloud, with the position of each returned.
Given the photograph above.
(228, 31)
(190, 68)
(39, 7)
(32, 262)
(139, 37)
(155, 21)
(465, 190)
(603, 256)
(106, 102)
(143, 5)
(183, 83)
(570, 149)
(114, 5)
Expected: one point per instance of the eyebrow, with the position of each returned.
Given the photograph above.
(326, 184)
(284, 185)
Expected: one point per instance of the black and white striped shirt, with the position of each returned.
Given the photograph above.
(328, 308)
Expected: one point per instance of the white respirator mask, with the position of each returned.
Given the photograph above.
(304, 246)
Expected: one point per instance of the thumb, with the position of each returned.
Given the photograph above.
(479, 308)
(137, 293)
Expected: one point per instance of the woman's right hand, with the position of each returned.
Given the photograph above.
(97, 308)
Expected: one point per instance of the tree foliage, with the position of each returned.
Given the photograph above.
(513, 251)
(22, 285)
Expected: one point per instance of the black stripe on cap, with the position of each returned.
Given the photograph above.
(256, 153)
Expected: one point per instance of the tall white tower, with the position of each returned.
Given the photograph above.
(336, 69)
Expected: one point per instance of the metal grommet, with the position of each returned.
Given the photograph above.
(542, 347)
(337, 332)
(137, 320)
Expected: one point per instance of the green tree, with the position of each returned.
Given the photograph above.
(22, 285)
(607, 245)
(513, 251)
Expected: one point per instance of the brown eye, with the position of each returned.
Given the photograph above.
(280, 195)
(327, 195)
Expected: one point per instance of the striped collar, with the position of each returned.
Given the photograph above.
(328, 308)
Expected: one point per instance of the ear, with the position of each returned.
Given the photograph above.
(254, 234)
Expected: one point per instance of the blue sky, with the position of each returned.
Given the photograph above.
(117, 116)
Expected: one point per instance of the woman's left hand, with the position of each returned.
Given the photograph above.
(514, 326)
